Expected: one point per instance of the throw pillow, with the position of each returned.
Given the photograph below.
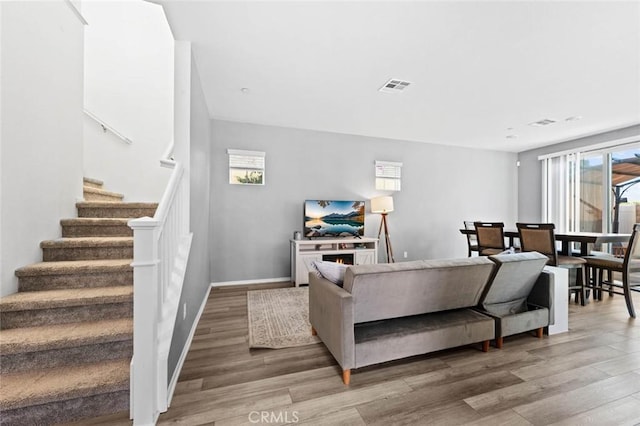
(331, 271)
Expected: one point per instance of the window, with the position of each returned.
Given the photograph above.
(388, 175)
(593, 191)
(246, 167)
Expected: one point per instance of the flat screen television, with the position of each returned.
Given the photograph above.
(333, 218)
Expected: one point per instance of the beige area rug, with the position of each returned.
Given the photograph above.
(279, 318)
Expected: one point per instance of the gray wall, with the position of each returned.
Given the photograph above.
(197, 278)
(530, 170)
(441, 186)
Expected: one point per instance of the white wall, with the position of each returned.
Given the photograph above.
(441, 187)
(40, 130)
(129, 85)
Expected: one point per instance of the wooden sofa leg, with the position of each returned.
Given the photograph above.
(499, 342)
(485, 346)
(539, 332)
(313, 332)
(346, 376)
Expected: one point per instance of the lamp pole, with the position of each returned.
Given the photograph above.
(384, 205)
(387, 239)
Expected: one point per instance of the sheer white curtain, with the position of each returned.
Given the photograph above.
(557, 190)
(576, 197)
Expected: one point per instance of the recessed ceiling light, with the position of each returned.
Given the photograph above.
(543, 122)
(573, 118)
(394, 85)
(512, 136)
(244, 90)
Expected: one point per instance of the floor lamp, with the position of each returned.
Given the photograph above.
(384, 205)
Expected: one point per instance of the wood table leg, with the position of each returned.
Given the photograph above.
(346, 376)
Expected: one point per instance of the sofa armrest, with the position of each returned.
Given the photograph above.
(542, 294)
(331, 315)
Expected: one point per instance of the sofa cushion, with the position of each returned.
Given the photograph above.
(331, 271)
(381, 341)
(392, 290)
(525, 321)
(512, 282)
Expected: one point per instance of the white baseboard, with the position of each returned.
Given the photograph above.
(249, 282)
(185, 349)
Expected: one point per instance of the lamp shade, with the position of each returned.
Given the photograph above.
(382, 204)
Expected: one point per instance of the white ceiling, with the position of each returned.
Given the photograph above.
(480, 71)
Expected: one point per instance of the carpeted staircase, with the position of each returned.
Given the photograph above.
(66, 337)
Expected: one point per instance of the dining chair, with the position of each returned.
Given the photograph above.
(540, 237)
(490, 237)
(472, 239)
(628, 266)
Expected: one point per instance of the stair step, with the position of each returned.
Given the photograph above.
(87, 248)
(95, 227)
(66, 338)
(112, 209)
(79, 411)
(30, 300)
(95, 183)
(75, 274)
(64, 394)
(34, 339)
(36, 308)
(98, 194)
(64, 344)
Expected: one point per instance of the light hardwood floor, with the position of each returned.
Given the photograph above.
(590, 375)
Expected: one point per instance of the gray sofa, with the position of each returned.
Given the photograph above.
(385, 312)
(390, 311)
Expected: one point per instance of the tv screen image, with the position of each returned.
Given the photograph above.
(332, 218)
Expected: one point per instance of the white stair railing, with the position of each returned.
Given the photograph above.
(107, 128)
(161, 250)
(167, 158)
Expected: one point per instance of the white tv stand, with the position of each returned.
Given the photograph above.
(362, 251)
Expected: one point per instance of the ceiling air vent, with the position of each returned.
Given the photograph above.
(543, 122)
(394, 86)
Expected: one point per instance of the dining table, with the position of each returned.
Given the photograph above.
(566, 238)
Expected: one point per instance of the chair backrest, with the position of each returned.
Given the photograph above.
(490, 235)
(539, 237)
(631, 263)
(472, 239)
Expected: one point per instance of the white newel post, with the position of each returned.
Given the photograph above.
(146, 313)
